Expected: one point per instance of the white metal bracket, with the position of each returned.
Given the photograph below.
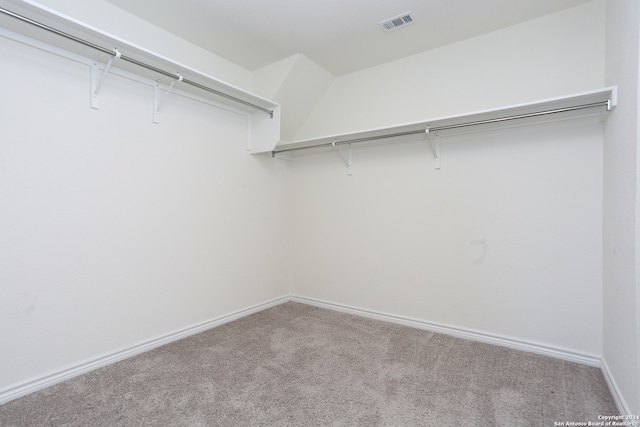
(97, 79)
(349, 160)
(158, 98)
(434, 141)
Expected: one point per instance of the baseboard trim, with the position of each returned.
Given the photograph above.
(619, 400)
(28, 387)
(558, 353)
(36, 384)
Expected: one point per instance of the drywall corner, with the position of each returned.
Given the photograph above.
(297, 84)
(268, 80)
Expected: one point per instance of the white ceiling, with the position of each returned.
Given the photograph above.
(340, 35)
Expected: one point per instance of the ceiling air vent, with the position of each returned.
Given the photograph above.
(397, 22)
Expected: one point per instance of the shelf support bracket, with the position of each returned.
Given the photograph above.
(349, 160)
(97, 79)
(158, 98)
(434, 141)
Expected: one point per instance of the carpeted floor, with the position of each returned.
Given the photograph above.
(298, 365)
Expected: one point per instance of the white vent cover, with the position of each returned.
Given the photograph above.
(397, 21)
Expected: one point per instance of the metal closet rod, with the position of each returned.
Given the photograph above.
(454, 126)
(131, 60)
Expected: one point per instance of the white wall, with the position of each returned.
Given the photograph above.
(402, 238)
(113, 230)
(621, 350)
(552, 56)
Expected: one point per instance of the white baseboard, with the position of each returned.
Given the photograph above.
(619, 400)
(27, 387)
(558, 353)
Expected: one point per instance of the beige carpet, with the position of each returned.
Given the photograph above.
(297, 365)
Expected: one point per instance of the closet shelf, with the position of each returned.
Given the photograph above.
(28, 22)
(595, 102)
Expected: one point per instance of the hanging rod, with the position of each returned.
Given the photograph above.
(606, 103)
(132, 61)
